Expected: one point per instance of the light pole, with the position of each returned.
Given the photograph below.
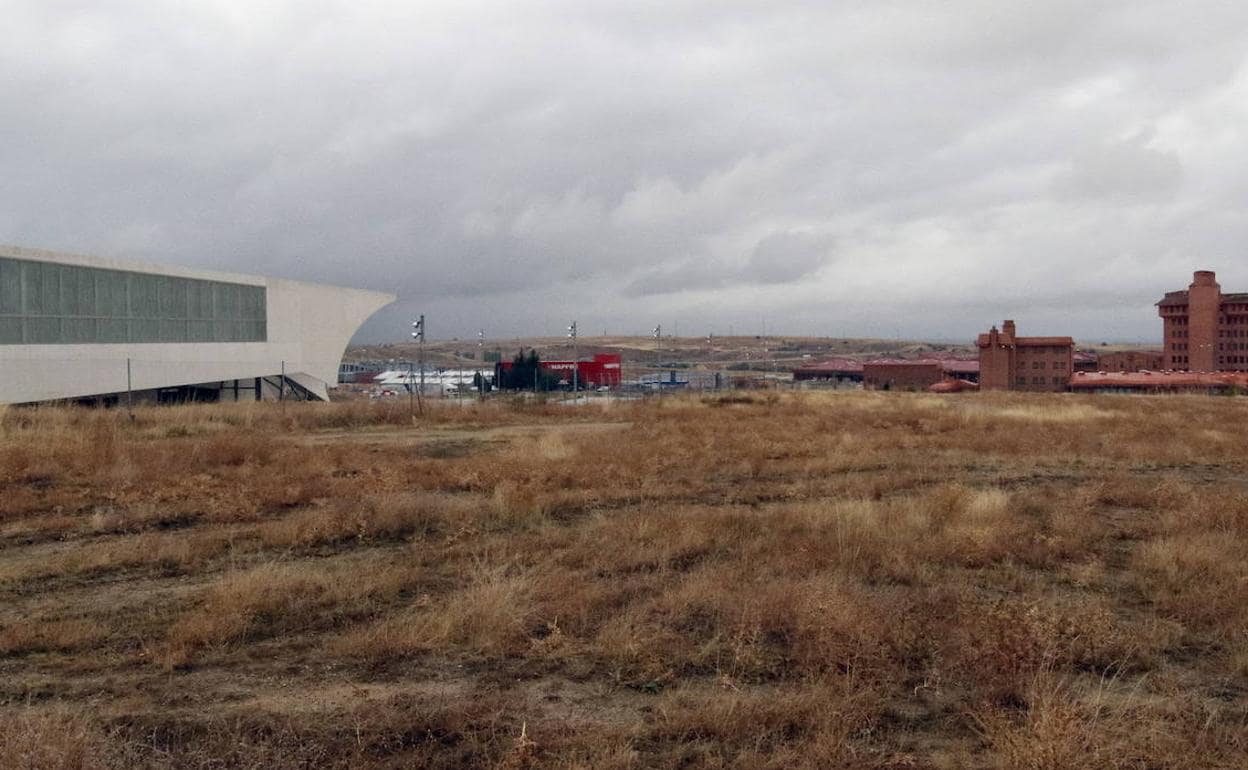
(710, 356)
(480, 362)
(576, 364)
(418, 334)
(658, 355)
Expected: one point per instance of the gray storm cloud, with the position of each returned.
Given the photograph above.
(830, 168)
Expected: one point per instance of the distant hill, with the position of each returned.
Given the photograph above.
(697, 352)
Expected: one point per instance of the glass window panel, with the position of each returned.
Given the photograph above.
(224, 301)
(199, 331)
(111, 294)
(32, 288)
(43, 330)
(111, 330)
(51, 288)
(143, 296)
(172, 330)
(173, 298)
(69, 291)
(144, 330)
(200, 295)
(52, 303)
(78, 330)
(10, 287)
(84, 291)
(254, 307)
(10, 331)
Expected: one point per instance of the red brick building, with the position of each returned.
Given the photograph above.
(1131, 361)
(1204, 330)
(833, 369)
(901, 375)
(916, 373)
(1010, 362)
(1086, 361)
(1160, 382)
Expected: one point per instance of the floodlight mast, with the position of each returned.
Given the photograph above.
(418, 334)
(658, 356)
(576, 364)
(710, 357)
(480, 362)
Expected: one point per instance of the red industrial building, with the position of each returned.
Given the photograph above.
(1010, 362)
(1203, 329)
(604, 369)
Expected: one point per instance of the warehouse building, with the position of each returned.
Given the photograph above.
(78, 327)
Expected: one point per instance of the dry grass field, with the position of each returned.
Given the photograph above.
(799, 581)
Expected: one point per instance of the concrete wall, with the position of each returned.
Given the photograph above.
(309, 326)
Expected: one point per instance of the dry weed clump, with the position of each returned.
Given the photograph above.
(49, 635)
(815, 726)
(776, 580)
(366, 518)
(1198, 578)
(1110, 724)
(276, 598)
(55, 739)
(489, 617)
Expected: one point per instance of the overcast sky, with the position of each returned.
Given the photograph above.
(915, 169)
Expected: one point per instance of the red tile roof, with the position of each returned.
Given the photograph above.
(948, 364)
(1034, 341)
(1161, 380)
(852, 365)
(982, 341)
(833, 365)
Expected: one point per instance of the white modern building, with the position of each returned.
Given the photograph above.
(76, 327)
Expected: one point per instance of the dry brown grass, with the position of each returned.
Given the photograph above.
(789, 581)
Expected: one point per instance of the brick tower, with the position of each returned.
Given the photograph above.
(1204, 297)
(996, 358)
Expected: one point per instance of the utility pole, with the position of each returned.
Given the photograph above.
(418, 334)
(576, 363)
